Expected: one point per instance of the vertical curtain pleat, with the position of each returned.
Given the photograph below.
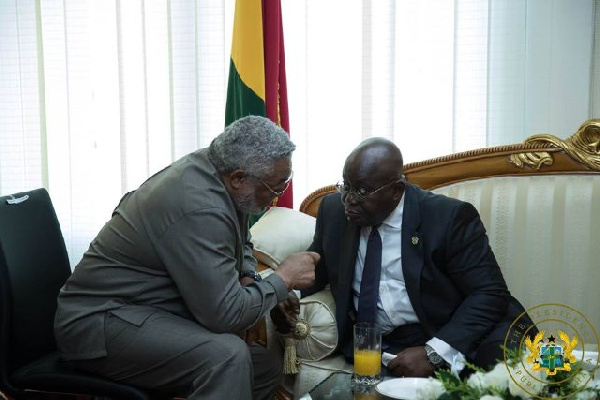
(20, 135)
(103, 169)
(471, 43)
(507, 57)
(158, 90)
(424, 77)
(378, 78)
(213, 50)
(133, 99)
(595, 78)
(55, 52)
(332, 89)
(183, 59)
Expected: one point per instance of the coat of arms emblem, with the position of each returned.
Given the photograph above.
(550, 356)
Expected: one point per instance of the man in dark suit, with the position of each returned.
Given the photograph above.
(441, 297)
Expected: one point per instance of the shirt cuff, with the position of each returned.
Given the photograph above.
(452, 356)
(279, 285)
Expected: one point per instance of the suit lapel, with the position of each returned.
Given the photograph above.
(412, 251)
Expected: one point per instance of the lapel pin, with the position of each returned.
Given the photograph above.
(415, 240)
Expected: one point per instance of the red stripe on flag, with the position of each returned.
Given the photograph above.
(276, 103)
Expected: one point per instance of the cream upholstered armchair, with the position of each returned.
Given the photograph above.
(540, 203)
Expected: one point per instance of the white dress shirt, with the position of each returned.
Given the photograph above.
(393, 306)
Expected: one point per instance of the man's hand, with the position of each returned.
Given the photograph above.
(285, 314)
(411, 362)
(298, 270)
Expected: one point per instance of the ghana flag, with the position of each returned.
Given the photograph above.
(257, 83)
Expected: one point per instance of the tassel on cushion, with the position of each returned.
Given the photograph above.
(290, 355)
(290, 358)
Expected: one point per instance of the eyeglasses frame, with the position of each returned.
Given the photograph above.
(276, 193)
(362, 197)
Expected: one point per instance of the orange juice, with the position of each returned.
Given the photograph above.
(367, 362)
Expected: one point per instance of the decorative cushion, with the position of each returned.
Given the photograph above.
(320, 333)
(280, 232)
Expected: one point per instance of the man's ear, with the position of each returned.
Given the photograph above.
(236, 179)
(399, 191)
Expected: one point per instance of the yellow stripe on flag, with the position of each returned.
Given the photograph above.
(247, 51)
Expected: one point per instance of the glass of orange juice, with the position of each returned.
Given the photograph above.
(367, 354)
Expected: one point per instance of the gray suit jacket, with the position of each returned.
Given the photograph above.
(176, 244)
(452, 278)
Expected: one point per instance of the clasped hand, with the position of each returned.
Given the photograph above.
(285, 313)
(411, 362)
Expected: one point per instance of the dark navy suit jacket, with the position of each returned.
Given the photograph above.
(452, 278)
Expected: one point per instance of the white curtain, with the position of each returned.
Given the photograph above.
(97, 95)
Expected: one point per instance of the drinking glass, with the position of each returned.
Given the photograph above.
(367, 354)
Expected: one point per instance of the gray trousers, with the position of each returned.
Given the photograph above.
(173, 353)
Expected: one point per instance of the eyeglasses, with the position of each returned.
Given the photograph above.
(361, 193)
(278, 193)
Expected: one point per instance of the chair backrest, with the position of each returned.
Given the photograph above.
(33, 266)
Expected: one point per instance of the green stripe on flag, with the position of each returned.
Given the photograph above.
(241, 100)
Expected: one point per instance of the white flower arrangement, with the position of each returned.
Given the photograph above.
(498, 384)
